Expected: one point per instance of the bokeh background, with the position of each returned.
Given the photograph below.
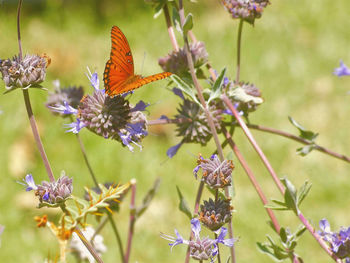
(289, 54)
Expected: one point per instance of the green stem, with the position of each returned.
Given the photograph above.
(240, 27)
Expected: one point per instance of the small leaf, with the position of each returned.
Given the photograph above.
(283, 235)
(148, 198)
(303, 151)
(188, 24)
(158, 10)
(216, 91)
(306, 134)
(213, 192)
(176, 20)
(304, 190)
(182, 85)
(300, 231)
(290, 195)
(183, 205)
(238, 94)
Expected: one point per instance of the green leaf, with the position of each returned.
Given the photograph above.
(148, 198)
(216, 90)
(304, 133)
(183, 205)
(303, 151)
(183, 86)
(158, 10)
(300, 231)
(188, 24)
(213, 192)
(283, 235)
(176, 20)
(238, 94)
(304, 190)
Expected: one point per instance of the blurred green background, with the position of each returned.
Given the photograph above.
(290, 55)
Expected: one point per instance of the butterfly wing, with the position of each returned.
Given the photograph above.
(118, 76)
(120, 67)
(138, 81)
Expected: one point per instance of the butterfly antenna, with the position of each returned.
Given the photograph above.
(143, 62)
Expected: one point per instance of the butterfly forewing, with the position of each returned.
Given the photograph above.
(119, 75)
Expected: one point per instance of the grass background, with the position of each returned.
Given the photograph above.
(289, 54)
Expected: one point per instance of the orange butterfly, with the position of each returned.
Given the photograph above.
(119, 76)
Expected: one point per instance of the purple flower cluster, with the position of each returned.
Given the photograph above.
(50, 192)
(339, 242)
(112, 118)
(201, 248)
(342, 70)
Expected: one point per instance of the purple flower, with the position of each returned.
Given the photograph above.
(64, 109)
(140, 106)
(343, 70)
(173, 150)
(178, 92)
(29, 182)
(75, 127)
(163, 117)
(339, 242)
(200, 248)
(93, 78)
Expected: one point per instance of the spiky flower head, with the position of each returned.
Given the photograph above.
(200, 248)
(104, 115)
(176, 62)
(248, 10)
(196, 128)
(55, 192)
(214, 214)
(80, 250)
(70, 95)
(247, 97)
(25, 73)
(215, 173)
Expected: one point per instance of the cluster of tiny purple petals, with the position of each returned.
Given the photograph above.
(339, 242)
(64, 101)
(111, 118)
(248, 10)
(216, 174)
(200, 248)
(176, 62)
(342, 70)
(51, 192)
(30, 71)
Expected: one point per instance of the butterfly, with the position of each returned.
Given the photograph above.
(119, 77)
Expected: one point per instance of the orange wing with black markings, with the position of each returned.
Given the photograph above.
(119, 76)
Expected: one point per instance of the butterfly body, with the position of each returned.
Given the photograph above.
(119, 76)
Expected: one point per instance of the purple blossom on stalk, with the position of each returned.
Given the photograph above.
(64, 109)
(29, 183)
(112, 118)
(342, 70)
(339, 242)
(200, 248)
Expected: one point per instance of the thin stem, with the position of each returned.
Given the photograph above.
(317, 237)
(198, 87)
(100, 226)
(88, 245)
(253, 142)
(29, 106)
(19, 29)
(131, 220)
(117, 235)
(83, 151)
(299, 139)
(110, 217)
(170, 28)
(37, 136)
(167, 121)
(252, 178)
(239, 37)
